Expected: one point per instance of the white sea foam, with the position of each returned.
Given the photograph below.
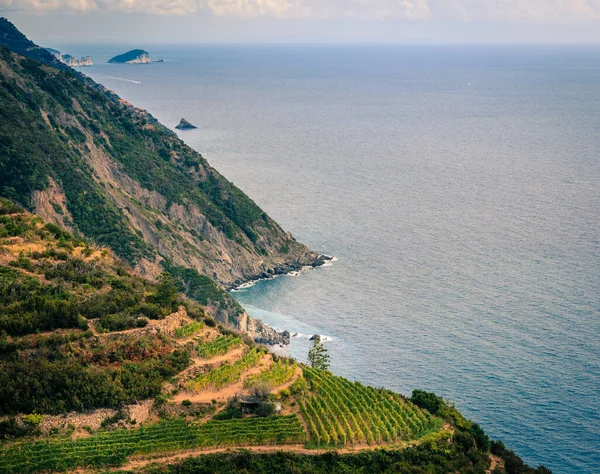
(294, 273)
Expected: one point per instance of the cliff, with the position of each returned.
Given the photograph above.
(82, 158)
(71, 60)
(135, 56)
(77, 62)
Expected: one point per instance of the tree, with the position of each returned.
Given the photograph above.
(318, 358)
(166, 291)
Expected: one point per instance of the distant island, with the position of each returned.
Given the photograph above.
(185, 125)
(135, 56)
(71, 60)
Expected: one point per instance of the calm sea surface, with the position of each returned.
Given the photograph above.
(458, 188)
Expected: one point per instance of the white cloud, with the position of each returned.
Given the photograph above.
(276, 8)
(385, 9)
(412, 10)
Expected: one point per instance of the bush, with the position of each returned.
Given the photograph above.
(427, 400)
(497, 448)
(482, 440)
(33, 419)
(10, 428)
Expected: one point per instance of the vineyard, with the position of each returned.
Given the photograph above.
(221, 345)
(189, 329)
(278, 374)
(226, 374)
(114, 447)
(342, 412)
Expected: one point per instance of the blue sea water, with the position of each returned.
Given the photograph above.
(458, 188)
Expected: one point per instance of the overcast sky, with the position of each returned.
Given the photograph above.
(480, 21)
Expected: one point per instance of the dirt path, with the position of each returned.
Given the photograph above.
(136, 463)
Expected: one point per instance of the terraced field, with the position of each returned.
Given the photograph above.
(114, 447)
(189, 329)
(340, 412)
(226, 374)
(221, 345)
(277, 374)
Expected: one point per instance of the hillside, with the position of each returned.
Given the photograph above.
(101, 368)
(82, 158)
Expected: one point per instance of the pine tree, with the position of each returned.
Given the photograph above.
(318, 358)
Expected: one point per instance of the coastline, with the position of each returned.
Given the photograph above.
(259, 330)
(288, 269)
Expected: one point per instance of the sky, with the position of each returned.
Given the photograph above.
(308, 21)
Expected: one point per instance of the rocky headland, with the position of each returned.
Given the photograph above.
(69, 60)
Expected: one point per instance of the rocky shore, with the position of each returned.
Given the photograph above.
(280, 270)
(255, 328)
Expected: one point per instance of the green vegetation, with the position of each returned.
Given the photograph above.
(277, 374)
(435, 457)
(467, 430)
(128, 56)
(341, 412)
(189, 329)
(318, 358)
(221, 345)
(226, 374)
(55, 374)
(114, 447)
(203, 290)
(73, 370)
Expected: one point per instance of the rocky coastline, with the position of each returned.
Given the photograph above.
(279, 270)
(257, 329)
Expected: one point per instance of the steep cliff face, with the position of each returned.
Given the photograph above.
(111, 172)
(77, 62)
(71, 60)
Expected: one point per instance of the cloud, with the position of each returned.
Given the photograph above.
(276, 8)
(154, 7)
(374, 10)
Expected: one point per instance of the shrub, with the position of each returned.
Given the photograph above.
(428, 400)
(33, 419)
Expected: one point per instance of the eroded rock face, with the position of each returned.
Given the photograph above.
(77, 62)
(261, 333)
(71, 60)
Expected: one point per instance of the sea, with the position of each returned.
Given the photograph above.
(457, 187)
